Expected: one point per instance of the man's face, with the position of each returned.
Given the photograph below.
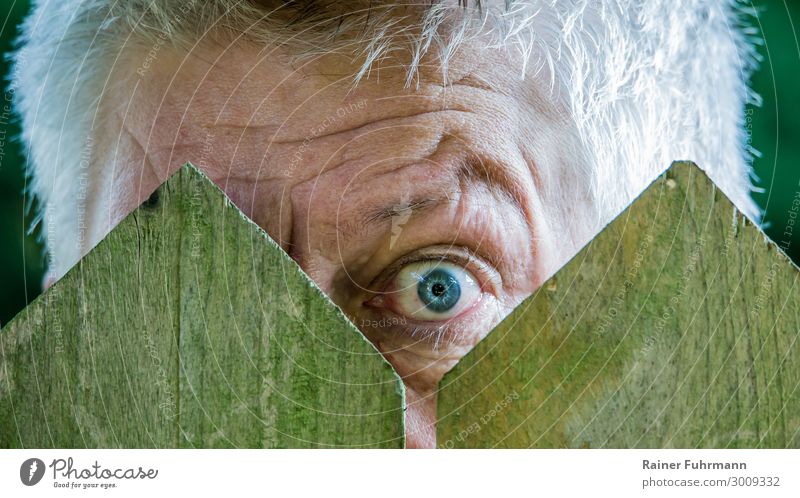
(427, 214)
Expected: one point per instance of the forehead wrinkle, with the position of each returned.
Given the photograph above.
(359, 226)
(272, 134)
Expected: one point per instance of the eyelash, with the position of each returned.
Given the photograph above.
(470, 261)
(433, 334)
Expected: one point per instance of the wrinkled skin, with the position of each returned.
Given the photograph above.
(367, 187)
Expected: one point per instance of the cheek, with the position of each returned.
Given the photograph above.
(421, 370)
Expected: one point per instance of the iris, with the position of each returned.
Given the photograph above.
(439, 290)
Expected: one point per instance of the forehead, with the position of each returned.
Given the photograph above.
(256, 102)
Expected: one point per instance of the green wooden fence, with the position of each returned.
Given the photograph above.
(676, 327)
(188, 327)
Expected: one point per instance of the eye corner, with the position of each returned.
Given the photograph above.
(377, 301)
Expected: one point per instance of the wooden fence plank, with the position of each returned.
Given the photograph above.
(184, 328)
(289, 358)
(676, 327)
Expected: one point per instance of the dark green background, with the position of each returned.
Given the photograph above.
(775, 126)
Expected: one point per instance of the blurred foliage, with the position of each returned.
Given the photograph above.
(774, 127)
(21, 258)
(776, 123)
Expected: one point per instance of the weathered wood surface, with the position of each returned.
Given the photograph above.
(676, 327)
(188, 327)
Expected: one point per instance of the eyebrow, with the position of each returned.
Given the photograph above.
(384, 213)
(500, 179)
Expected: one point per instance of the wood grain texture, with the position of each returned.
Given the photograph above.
(676, 327)
(188, 327)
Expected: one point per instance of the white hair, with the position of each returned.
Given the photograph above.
(647, 81)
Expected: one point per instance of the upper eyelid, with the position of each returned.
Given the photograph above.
(467, 259)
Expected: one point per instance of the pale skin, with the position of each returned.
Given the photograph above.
(375, 190)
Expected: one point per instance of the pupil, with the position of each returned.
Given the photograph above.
(439, 290)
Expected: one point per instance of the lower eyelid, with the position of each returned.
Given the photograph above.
(476, 304)
(420, 334)
(459, 330)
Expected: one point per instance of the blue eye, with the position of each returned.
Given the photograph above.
(433, 290)
(439, 290)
